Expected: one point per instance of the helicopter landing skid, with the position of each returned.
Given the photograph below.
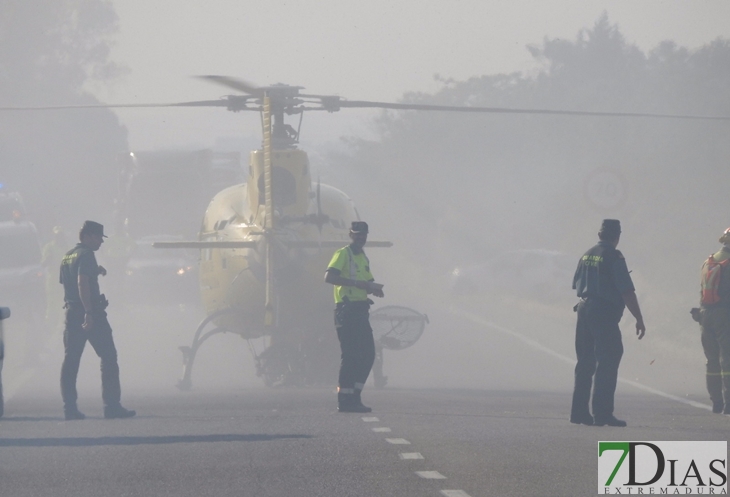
(186, 382)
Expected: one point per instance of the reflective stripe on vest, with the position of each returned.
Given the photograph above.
(353, 266)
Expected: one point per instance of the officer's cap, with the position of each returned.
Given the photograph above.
(92, 228)
(610, 228)
(359, 227)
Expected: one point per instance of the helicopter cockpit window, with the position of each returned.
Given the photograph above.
(285, 192)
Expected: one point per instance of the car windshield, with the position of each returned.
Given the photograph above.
(19, 249)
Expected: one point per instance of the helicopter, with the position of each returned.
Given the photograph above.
(264, 243)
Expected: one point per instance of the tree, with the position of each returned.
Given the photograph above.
(63, 162)
(472, 186)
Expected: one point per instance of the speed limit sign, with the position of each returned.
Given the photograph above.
(605, 189)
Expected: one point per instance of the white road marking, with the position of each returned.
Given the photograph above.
(410, 455)
(537, 345)
(398, 441)
(454, 493)
(382, 429)
(370, 419)
(431, 475)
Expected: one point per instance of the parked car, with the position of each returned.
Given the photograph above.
(162, 276)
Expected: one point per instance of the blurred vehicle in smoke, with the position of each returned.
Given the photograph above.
(161, 276)
(11, 206)
(537, 274)
(22, 277)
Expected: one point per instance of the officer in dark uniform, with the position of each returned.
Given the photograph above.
(86, 320)
(349, 271)
(604, 286)
(714, 319)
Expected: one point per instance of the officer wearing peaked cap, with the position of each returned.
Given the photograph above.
(86, 320)
(603, 283)
(349, 272)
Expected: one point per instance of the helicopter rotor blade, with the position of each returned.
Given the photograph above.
(235, 84)
(198, 103)
(503, 110)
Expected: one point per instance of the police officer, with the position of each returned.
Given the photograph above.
(715, 322)
(349, 272)
(603, 283)
(86, 320)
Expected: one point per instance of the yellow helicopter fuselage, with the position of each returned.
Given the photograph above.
(303, 216)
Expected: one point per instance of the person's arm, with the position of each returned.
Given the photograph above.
(632, 303)
(334, 277)
(85, 295)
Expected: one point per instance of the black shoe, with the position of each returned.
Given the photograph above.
(717, 407)
(610, 421)
(118, 412)
(73, 415)
(585, 419)
(353, 408)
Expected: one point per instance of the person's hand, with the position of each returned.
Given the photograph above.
(375, 288)
(88, 322)
(102, 271)
(640, 328)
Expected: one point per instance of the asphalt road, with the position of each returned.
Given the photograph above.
(477, 408)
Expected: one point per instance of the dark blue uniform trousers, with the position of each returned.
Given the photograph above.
(352, 321)
(599, 349)
(74, 341)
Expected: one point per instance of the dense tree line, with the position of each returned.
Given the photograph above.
(465, 187)
(62, 162)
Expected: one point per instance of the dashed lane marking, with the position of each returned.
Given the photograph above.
(454, 493)
(410, 455)
(398, 441)
(537, 345)
(382, 429)
(370, 419)
(431, 475)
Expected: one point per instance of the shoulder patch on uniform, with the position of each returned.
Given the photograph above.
(619, 254)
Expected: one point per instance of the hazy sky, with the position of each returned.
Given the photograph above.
(374, 50)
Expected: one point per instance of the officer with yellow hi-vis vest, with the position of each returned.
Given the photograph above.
(349, 272)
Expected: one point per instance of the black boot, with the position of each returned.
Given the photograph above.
(72, 413)
(118, 412)
(359, 403)
(609, 421)
(346, 403)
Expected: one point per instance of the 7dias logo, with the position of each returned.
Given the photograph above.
(662, 468)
